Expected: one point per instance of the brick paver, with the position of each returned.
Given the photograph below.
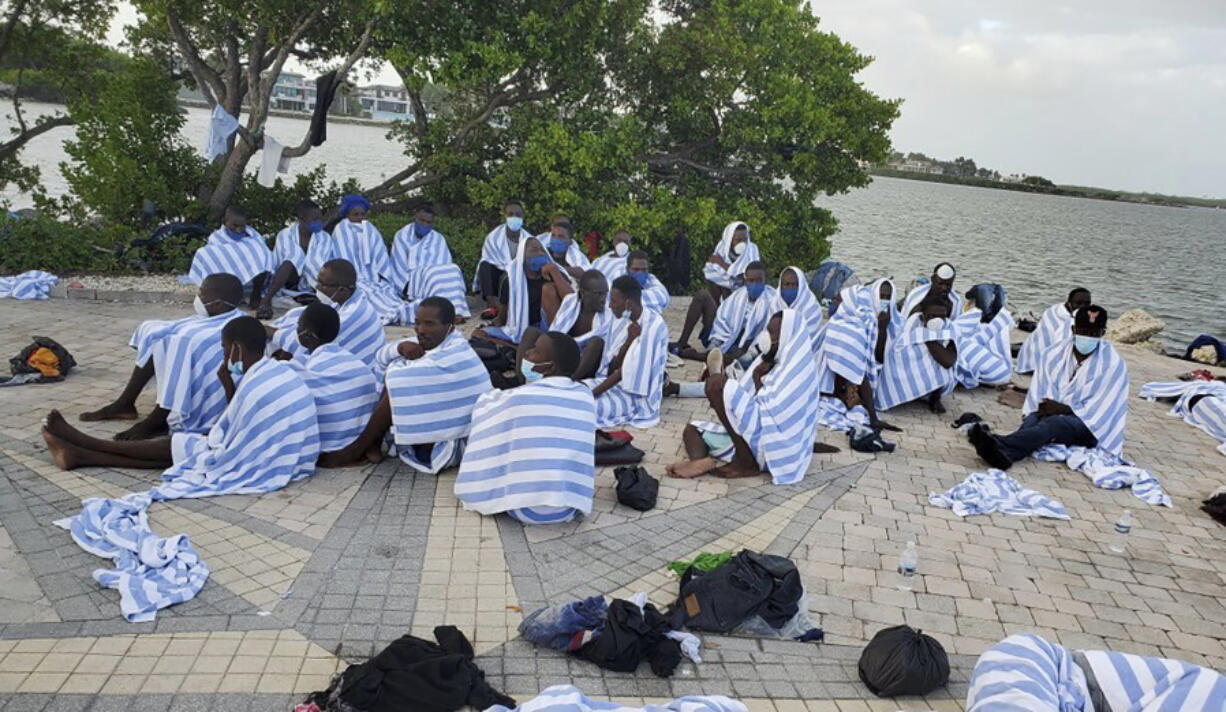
(329, 570)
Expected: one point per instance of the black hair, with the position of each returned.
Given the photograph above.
(590, 276)
(237, 211)
(446, 310)
(756, 264)
(305, 205)
(637, 255)
(933, 300)
(323, 321)
(343, 270)
(570, 229)
(224, 286)
(1091, 317)
(565, 353)
(629, 287)
(561, 219)
(1075, 292)
(426, 207)
(247, 332)
(509, 203)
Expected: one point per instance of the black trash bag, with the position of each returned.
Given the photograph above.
(631, 635)
(903, 661)
(636, 488)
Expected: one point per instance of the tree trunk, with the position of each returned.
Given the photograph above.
(230, 178)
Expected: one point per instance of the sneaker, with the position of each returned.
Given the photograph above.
(987, 446)
(715, 362)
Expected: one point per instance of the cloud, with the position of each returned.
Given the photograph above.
(1124, 94)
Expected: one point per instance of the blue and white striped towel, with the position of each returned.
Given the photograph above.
(567, 698)
(245, 258)
(1209, 413)
(34, 284)
(636, 399)
(1107, 471)
(995, 491)
(1097, 391)
(361, 332)
(186, 357)
(738, 321)
(726, 277)
(345, 394)
(910, 372)
(422, 267)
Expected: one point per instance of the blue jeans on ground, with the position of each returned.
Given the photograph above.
(1037, 432)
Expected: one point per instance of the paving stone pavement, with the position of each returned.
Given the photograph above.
(331, 569)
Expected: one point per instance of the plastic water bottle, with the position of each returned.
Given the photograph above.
(1119, 543)
(908, 564)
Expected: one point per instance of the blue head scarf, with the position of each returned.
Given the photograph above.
(351, 201)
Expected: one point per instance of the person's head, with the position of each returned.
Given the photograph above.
(310, 216)
(625, 296)
(755, 279)
(435, 321)
(535, 258)
(934, 309)
(593, 291)
(1079, 298)
(318, 325)
(354, 207)
(554, 354)
(1089, 325)
(513, 215)
(560, 237)
(337, 281)
(423, 219)
(638, 267)
(560, 219)
(621, 243)
(235, 221)
(242, 341)
(886, 291)
(219, 293)
(789, 286)
(943, 279)
(740, 236)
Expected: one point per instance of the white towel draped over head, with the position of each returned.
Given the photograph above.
(916, 296)
(849, 339)
(496, 250)
(34, 284)
(361, 331)
(567, 698)
(1209, 413)
(245, 258)
(345, 393)
(518, 317)
(433, 397)
(779, 421)
(186, 357)
(738, 321)
(531, 447)
(805, 305)
(568, 314)
(635, 400)
(985, 355)
(422, 267)
(726, 276)
(288, 248)
(267, 437)
(1054, 326)
(909, 371)
(1098, 393)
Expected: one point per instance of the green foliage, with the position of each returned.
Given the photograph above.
(128, 149)
(271, 208)
(42, 242)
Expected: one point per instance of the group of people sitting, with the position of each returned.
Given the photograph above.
(569, 346)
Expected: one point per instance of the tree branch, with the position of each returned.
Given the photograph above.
(419, 111)
(15, 14)
(205, 76)
(11, 147)
(357, 53)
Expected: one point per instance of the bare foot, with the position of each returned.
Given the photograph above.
(57, 425)
(734, 471)
(690, 469)
(114, 411)
(143, 430)
(336, 459)
(375, 454)
(62, 452)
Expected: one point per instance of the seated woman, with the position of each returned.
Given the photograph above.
(267, 437)
(530, 452)
(723, 271)
(919, 362)
(766, 418)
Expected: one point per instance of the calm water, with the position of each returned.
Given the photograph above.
(1168, 261)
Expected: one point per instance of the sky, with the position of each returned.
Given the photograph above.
(1125, 94)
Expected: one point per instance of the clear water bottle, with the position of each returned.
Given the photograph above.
(686, 669)
(908, 564)
(1119, 542)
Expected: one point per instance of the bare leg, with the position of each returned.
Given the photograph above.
(700, 462)
(934, 402)
(550, 301)
(69, 456)
(743, 463)
(371, 438)
(866, 399)
(124, 407)
(154, 425)
(589, 358)
(700, 305)
(156, 450)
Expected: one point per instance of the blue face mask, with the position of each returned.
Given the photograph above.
(755, 290)
(789, 294)
(515, 223)
(422, 230)
(525, 370)
(1086, 345)
(315, 226)
(558, 246)
(536, 264)
(236, 369)
(236, 235)
(640, 277)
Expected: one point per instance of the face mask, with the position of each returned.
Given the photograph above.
(1086, 345)
(883, 307)
(640, 277)
(621, 249)
(936, 324)
(558, 246)
(525, 370)
(737, 249)
(515, 223)
(236, 235)
(199, 306)
(755, 290)
(324, 298)
(236, 368)
(422, 230)
(536, 264)
(789, 294)
(315, 226)
(763, 342)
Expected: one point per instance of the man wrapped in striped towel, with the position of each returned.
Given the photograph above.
(629, 385)
(531, 294)
(941, 286)
(612, 264)
(655, 294)
(498, 249)
(1025, 672)
(1054, 326)
(920, 359)
(361, 331)
(531, 452)
(297, 245)
(237, 249)
(1200, 403)
(422, 266)
(432, 385)
(355, 239)
(862, 320)
(184, 356)
(724, 271)
(562, 248)
(767, 418)
(985, 356)
(794, 293)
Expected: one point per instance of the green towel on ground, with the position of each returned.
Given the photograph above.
(704, 562)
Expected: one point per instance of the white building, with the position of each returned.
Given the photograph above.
(292, 92)
(385, 102)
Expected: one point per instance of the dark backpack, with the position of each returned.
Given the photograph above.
(747, 584)
(21, 362)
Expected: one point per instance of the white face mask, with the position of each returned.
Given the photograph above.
(737, 249)
(936, 324)
(621, 249)
(199, 306)
(763, 342)
(324, 298)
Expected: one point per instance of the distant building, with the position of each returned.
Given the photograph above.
(1013, 178)
(385, 102)
(292, 92)
(914, 166)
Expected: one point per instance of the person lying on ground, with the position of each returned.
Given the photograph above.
(1200, 403)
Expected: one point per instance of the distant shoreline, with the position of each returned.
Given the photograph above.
(300, 115)
(1072, 191)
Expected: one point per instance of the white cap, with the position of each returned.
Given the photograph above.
(945, 271)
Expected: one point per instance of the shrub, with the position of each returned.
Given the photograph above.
(41, 242)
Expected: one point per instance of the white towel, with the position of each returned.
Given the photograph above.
(34, 284)
(636, 399)
(994, 491)
(221, 127)
(272, 162)
(567, 698)
(727, 277)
